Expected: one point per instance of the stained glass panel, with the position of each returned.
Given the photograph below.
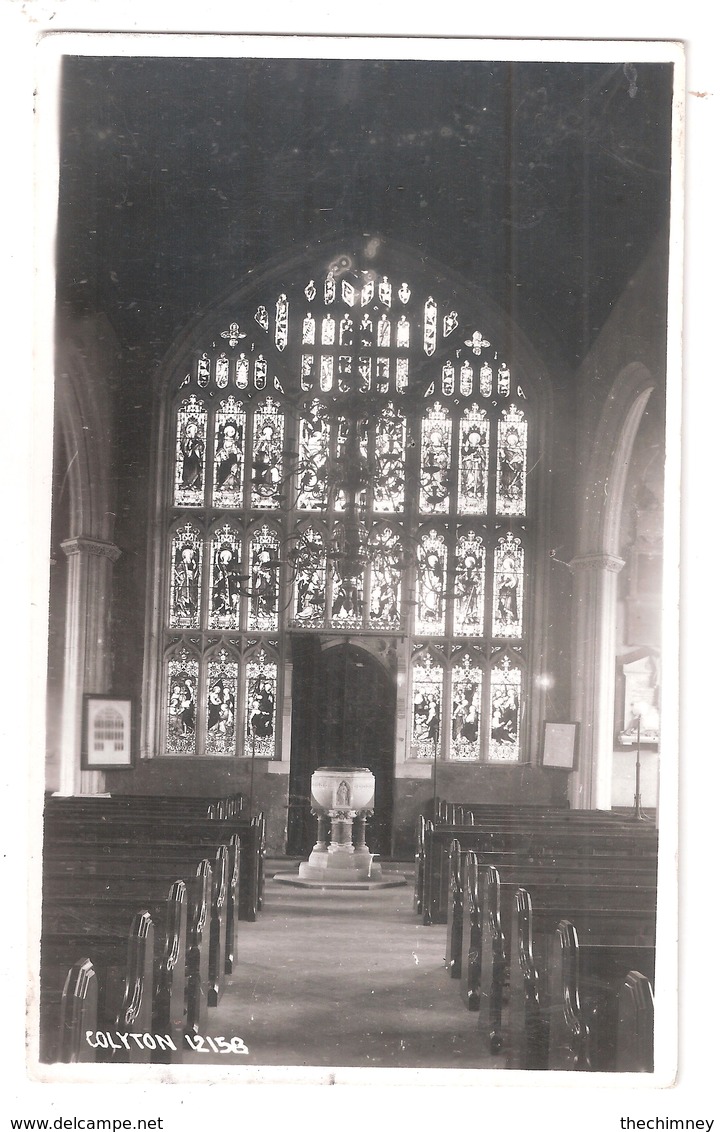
(390, 438)
(229, 455)
(466, 682)
(508, 587)
(263, 609)
(469, 585)
(260, 708)
(347, 586)
(431, 580)
(190, 463)
(385, 577)
(511, 463)
(314, 457)
(225, 579)
(186, 557)
(426, 714)
(181, 695)
(504, 745)
(221, 714)
(268, 440)
(435, 460)
(222, 371)
(473, 448)
(351, 455)
(309, 579)
(242, 371)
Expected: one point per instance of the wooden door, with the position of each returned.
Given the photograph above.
(343, 714)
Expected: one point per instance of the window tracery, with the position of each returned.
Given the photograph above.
(367, 494)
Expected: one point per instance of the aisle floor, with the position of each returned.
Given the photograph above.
(338, 978)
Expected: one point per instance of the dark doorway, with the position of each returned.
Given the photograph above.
(343, 714)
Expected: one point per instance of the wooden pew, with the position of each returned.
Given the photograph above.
(539, 842)
(574, 874)
(78, 1014)
(110, 836)
(584, 982)
(454, 920)
(121, 998)
(94, 926)
(635, 1025)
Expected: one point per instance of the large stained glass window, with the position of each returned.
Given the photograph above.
(348, 455)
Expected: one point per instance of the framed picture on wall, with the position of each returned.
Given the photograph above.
(106, 733)
(560, 745)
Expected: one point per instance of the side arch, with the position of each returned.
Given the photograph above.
(595, 567)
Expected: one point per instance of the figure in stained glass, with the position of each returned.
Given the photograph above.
(221, 705)
(226, 586)
(190, 454)
(267, 456)
(511, 479)
(309, 579)
(435, 461)
(468, 618)
(473, 465)
(508, 585)
(505, 713)
(426, 721)
(264, 580)
(261, 708)
(347, 598)
(181, 707)
(314, 457)
(466, 712)
(431, 581)
(385, 578)
(390, 461)
(229, 464)
(184, 613)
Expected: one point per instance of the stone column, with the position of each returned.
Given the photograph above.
(321, 843)
(341, 834)
(86, 662)
(594, 658)
(358, 832)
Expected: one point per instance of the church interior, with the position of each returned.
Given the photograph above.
(359, 462)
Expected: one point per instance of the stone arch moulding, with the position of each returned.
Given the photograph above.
(595, 568)
(84, 422)
(341, 255)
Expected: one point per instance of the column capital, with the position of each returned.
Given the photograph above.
(607, 562)
(81, 544)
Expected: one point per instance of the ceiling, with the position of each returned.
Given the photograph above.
(543, 184)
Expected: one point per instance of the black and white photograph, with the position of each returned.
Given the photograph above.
(359, 395)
